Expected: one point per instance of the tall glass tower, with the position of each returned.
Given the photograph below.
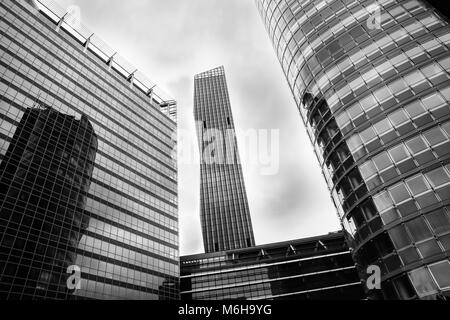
(224, 211)
(88, 184)
(371, 82)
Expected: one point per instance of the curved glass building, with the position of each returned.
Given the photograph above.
(371, 82)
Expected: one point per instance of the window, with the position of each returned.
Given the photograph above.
(368, 102)
(342, 119)
(368, 170)
(383, 201)
(355, 178)
(398, 86)
(416, 145)
(399, 193)
(342, 151)
(383, 126)
(414, 78)
(418, 229)
(369, 210)
(355, 111)
(439, 221)
(354, 142)
(400, 237)
(368, 135)
(432, 102)
(417, 185)
(441, 273)
(382, 94)
(382, 161)
(399, 153)
(415, 109)
(422, 282)
(435, 136)
(398, 117)
(438, 177)
(446, 128)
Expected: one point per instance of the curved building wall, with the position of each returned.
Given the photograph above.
(371, 81)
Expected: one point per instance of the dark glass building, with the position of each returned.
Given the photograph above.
(46, 175)
(318, 268)
(224, 211)
(88, 183)
(371, 82)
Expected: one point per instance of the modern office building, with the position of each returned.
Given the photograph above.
(46, 174)
(224, 211)
(318, 268)
(88, 204)
(371, 82)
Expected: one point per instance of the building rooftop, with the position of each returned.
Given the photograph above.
(219, 71)
(70, 23)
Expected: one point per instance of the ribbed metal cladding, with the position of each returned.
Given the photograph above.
(371, 81)
(224, 211)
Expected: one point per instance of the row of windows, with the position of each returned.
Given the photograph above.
(111, 130)
(436, 104)
(54, 80)
(426, 189)
(105, 249)
(148, 225)
(73, 56)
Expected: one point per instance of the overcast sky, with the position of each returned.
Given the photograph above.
(172, 40)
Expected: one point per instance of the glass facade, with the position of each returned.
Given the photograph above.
(224, 211)
(306, 269)
(371, 82)
(87, 174)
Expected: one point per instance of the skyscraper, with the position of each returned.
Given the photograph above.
(371, 82)
(224, 211)
(88, 206)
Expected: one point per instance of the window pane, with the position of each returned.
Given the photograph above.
(354, 142)
(398, 86)
(400, 237)
(437, 177)
(342, 119)
(355, 111)
(399, 153)
(414, 109)
(399, 117)
(383, 201)
(435, 136)
(441, 272)
(416, 145)
(399, 193)
(368, 170)
(417, 185)
(439, 221)
(446, 128)
(368, 135)
(422, 282)
(368, 103)
(433, 102)
(382, 161)
(383, 126)
(418, 229)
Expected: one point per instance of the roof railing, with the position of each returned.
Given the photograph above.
(71, 24)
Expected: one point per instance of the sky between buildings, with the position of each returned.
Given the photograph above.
(172, 40)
